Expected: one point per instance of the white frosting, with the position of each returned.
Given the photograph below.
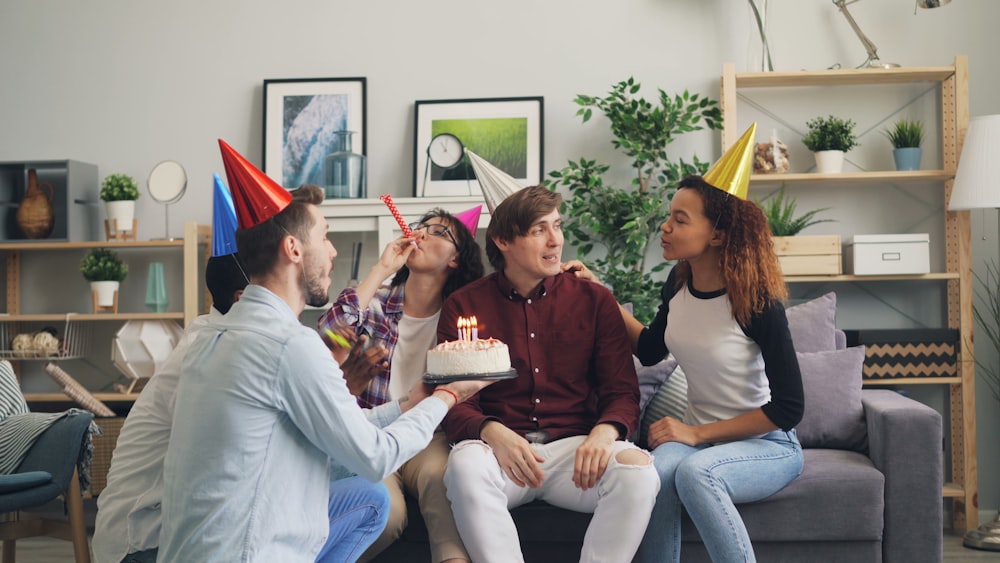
(468, 356)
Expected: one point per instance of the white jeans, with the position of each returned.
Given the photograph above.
(482, 495)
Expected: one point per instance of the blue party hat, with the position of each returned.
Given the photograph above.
(224, 223)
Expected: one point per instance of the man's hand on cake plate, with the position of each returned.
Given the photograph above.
(466, 388)
(362, 364)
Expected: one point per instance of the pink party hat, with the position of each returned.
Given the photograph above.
(470, 218)
(256, 197)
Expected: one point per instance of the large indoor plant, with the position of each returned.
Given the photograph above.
(624, 220)
(829, 138)
(906, 136)
(104, 269)
(119, 192)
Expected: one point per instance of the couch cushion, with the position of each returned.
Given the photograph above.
(651, 377)
(813, 324)
(670, 400)
(834, 416)
(838, 497)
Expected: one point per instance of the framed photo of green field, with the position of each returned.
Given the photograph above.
(506, 132)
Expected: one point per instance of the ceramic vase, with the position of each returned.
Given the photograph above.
(829, 162)
(344, 170)
(156, 289)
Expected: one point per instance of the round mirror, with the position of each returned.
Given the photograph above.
(167, 181)
(166, 184)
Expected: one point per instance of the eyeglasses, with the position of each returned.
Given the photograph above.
(434, 230)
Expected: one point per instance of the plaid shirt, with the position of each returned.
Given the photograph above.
(379, 320)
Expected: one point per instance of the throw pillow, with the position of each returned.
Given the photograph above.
(813, 324)
(652, 377)
(831, 384)
(669, 400)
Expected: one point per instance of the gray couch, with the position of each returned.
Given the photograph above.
(870, 490)
(883, 505)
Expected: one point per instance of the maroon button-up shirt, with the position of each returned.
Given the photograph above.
(572, 355)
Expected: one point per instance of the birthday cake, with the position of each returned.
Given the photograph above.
(468, 357)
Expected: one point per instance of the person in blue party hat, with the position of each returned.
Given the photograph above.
(127, 527)
(264, 415)
(440, 257)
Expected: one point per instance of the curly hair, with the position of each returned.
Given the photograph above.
(470, 257)
(748, 264)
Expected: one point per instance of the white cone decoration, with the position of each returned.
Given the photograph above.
(495, 183)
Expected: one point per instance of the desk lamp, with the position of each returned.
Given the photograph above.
(873, 61)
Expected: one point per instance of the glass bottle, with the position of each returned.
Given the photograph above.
(344, 170)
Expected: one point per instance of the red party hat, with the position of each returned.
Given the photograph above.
(256, 196)
(470, 217)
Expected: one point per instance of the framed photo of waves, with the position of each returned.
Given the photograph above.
(505, 132)
(301, 117)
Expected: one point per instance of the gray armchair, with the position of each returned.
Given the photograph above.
(47, 471)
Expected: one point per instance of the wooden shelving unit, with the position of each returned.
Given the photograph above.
(953, 117)
(192, 248)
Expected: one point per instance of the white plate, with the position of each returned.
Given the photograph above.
(140, 347)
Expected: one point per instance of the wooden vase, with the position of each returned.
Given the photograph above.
(35, 216)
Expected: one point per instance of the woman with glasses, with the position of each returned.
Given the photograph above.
(440, 257)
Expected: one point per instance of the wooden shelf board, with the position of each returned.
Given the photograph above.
(62, 398)
(39, 245)
(954, 490)
(843, 77)
(76, 317)
(879, 381)
(888, 176)
(853, 278)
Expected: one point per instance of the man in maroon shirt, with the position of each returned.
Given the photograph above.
(558, 431)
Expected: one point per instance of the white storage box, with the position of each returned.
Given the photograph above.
(876, 255)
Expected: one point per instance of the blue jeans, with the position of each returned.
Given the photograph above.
(358, 512)
(709, 480)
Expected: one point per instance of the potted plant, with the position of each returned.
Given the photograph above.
(800, 255)
(119, 192)
(905, 136)
(105, 270)
(621, 221)
(829, 138)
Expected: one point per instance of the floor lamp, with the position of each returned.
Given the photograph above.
(977, 186)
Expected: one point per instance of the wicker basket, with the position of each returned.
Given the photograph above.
(104, 445)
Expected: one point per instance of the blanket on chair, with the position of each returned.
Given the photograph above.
(19, 428)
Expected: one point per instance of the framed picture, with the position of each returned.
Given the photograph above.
(506, 132)
(301, 117)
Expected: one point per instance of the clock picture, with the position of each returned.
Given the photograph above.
(445, 150)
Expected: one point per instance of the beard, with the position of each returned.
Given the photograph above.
(313, 280)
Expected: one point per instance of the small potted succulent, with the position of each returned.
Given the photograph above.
(829, 138)
(119, 192)
(906, 136)
(105, 270)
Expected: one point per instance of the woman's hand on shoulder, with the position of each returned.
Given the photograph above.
(580, 270)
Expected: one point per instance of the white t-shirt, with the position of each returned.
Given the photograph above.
(409, 359)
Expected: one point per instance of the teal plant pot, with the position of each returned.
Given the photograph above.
(907, 158)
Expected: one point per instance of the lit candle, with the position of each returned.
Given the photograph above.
(475, 327)
(461, 321)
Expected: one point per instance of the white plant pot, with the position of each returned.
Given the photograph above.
(105, 292)
(829, 162)
(121, 211)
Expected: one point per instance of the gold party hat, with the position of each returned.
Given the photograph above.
(731, 173)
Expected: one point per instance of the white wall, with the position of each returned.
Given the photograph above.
(127, 84)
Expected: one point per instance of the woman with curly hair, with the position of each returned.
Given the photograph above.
(440, 257)
(723, 320)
